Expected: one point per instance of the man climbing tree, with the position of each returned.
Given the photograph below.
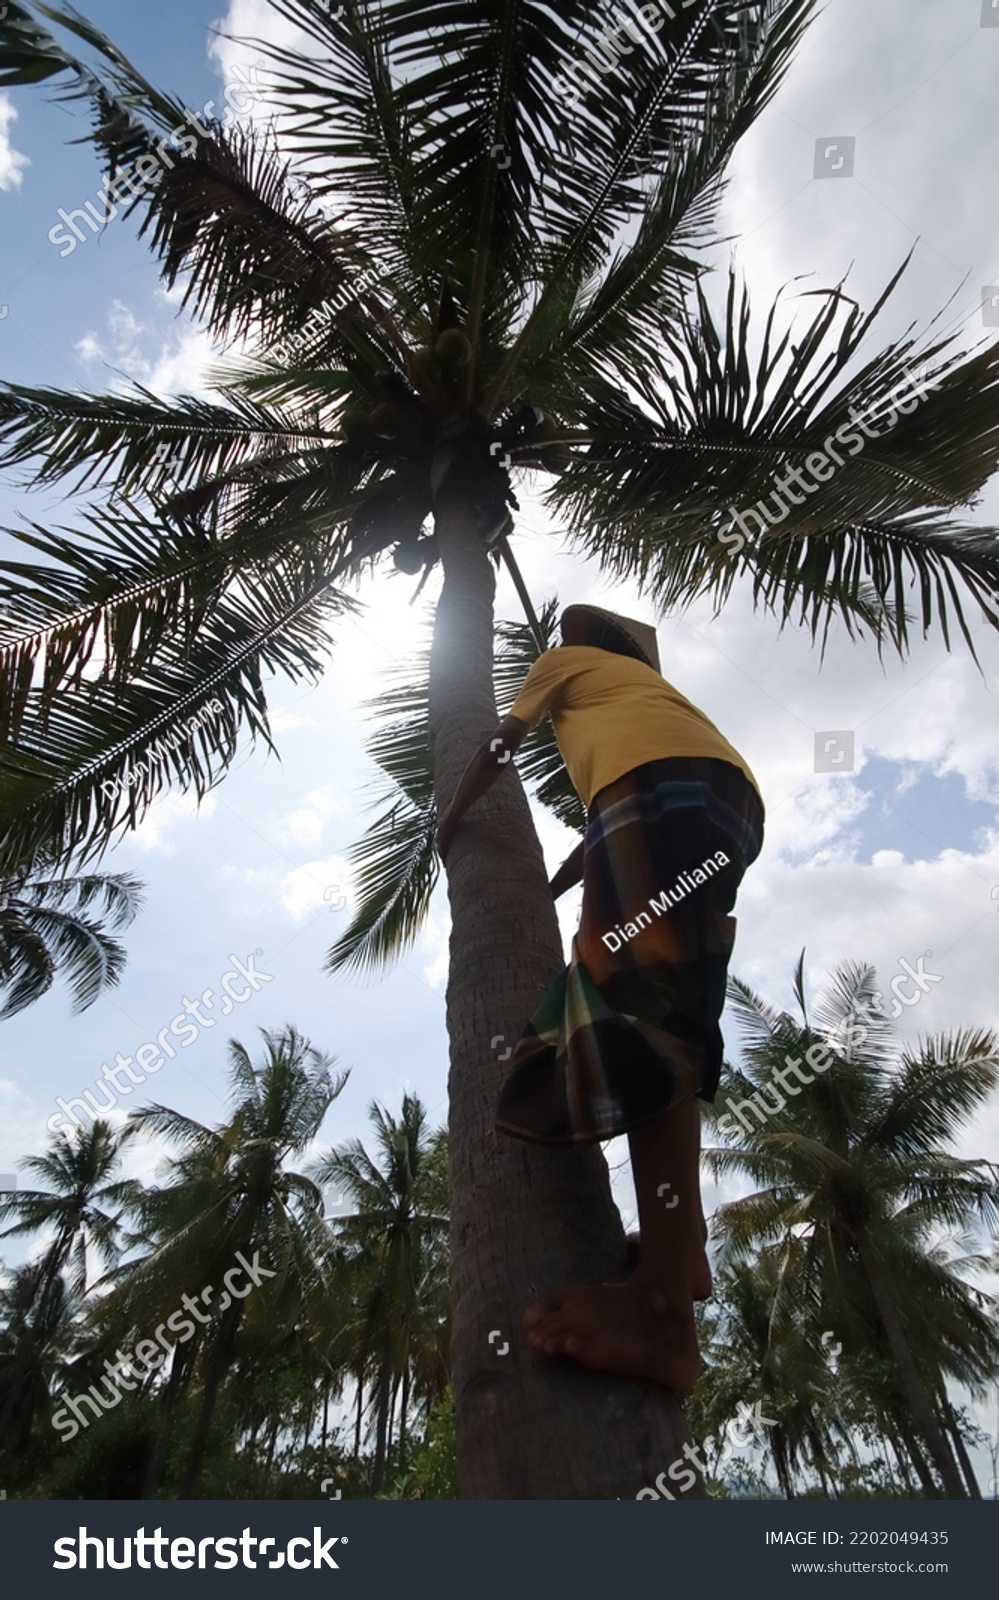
(628, 1036)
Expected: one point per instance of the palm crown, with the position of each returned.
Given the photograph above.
(504, 284)
(52, 925)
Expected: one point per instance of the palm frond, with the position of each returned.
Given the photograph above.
(45, 932)
(539, 760)
(699, 84)
(938, 1088)
(88, 759)
(714, 438)
(395, 863)
(138, 439)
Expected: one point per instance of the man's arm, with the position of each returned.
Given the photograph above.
(489, 762)
(570, 872)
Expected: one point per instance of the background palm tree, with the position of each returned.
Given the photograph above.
(57, 926)
(36, 1336)
(503, 282)
(82, 1206)
(231, 1193)
(395, 1237)
(839, 1428)
(365, 1294)
(855, 1185)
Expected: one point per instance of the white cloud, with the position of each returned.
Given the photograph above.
(435, 947)
(166, 815)
(308, 888)
(176, 362)
(250, 20)
(12, 162)
(306, 824)
(22, 1127)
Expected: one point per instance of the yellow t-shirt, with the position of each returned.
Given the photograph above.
(613, 713)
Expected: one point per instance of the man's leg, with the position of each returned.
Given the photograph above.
(665, 1164)
(644, 1328)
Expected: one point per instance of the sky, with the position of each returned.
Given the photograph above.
(892, 861)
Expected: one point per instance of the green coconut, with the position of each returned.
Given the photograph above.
(453, 348)
(423, 366)
(408, 557)
(355, 425)
(557, 457)
(386, 420)
(547, 428)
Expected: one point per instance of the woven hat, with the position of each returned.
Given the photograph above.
(640, 633)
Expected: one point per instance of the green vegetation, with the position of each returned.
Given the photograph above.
(333, 1339)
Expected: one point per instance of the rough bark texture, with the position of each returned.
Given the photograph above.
(525, 1219)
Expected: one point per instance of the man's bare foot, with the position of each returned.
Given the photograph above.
(622, 1328)
(701, 1281)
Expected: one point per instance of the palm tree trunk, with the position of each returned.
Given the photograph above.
(778, 1451)
(180, 1365)
(904, 1459)
(914, 1450)
(950, 1421)
(218, 1363)
(524, 1219)
(403, 1413)
(381, 1422)
(391, 1424)
(855, 1459)
(357, 1423)
(921, 1406)
(903, 1471)
(271, 1447)
(35, 1321)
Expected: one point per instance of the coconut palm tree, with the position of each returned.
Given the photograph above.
(429, 273)
(231, 1193)
(761, 1339)
(35, 1338)
(82, 1206)
(855, 1184)
(57, 926)
(395, 1238)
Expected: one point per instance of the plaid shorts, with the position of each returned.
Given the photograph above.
(631, 1027)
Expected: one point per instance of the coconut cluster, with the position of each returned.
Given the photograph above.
(406, 424)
